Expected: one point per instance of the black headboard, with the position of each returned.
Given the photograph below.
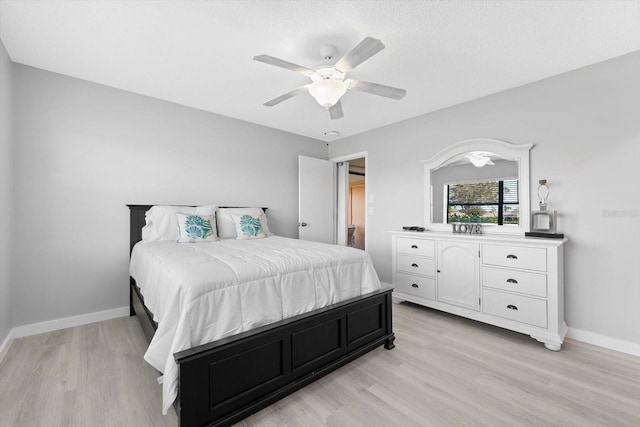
(137, 221)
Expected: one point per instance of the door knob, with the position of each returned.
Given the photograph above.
(302, 224)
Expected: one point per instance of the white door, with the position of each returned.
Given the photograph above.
(458, 274)
(316, 184)
(343, 203)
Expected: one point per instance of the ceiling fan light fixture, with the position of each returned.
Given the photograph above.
(479, 160)
(327, 92)
(328, 81)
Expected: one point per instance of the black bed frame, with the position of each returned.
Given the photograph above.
(224, 381)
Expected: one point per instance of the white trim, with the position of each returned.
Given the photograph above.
(69, 322)
(604, 341)
(348, 157)
(4, 348)
(587, 337)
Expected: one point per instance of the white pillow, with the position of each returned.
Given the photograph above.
(196, 228)
(226, 226)
(248, 226)
(162, 222)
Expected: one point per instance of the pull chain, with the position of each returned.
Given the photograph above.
(326, 122)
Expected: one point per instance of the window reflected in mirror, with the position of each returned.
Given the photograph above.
(476, 196)
(488, 202)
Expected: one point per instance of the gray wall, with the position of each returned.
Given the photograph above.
(83, 151)
(6, 190)
(585, 126)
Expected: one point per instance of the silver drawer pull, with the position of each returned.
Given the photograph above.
(514, 281)
(415, 285)
(414, 265)
(414, 246)
(511, 256)
(512, 307)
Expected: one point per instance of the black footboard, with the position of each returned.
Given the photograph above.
(222, 382)
(227, 380)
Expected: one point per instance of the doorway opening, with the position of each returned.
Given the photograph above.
(356, 204)
(351, 206)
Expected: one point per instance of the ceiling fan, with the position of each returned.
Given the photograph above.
(328, 82)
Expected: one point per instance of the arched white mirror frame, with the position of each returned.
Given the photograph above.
(516, 152)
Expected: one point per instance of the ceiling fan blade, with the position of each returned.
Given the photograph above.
(286, 96)
(335, 112)
(284, 64)
(376, 89)
(365, 50)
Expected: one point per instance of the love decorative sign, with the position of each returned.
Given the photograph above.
(467, 228)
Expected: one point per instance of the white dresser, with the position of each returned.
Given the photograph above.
(513, 282)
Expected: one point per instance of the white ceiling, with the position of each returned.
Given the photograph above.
(199, 53)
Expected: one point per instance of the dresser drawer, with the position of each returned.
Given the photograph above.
(407, 245)
(424, 287)
(515, 256)
(416, 265)
(524, 282)
(515, 307)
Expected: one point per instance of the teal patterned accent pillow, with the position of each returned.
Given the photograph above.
(248, 226)
(197, 228)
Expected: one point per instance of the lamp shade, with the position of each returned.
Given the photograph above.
(327, 91)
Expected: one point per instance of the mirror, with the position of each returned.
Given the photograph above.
(478, 181)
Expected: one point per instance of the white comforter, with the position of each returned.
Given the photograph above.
(200, 292)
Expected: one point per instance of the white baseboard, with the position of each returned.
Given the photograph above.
(595, 339)
(604, 341)
(4, 347)
(69, 322)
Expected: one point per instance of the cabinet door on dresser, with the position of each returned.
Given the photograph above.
(458, 274)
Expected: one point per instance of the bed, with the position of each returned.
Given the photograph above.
(225, 380)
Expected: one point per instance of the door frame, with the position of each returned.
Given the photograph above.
(346, 158)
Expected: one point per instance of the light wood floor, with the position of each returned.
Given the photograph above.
(444, 371)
